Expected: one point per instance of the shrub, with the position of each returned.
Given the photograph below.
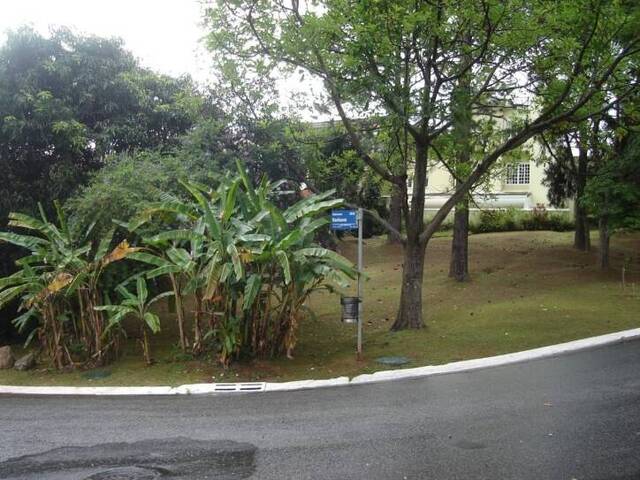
(58, 285)
(560, 223)
(509, 220)
(496, 221)
(249, 265)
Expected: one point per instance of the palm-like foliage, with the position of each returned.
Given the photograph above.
(286, 266)
(136, 305)
(249, 265)
(58, 285)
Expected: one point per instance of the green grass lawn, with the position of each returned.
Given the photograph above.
(528, 289)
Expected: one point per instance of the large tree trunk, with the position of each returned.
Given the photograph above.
(582, 238)
(395, 213)
(462, 117)
(604, 237)
(410, 311)
(459, 266)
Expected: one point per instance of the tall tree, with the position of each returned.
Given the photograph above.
(353, 48)
(462, 127)
(566, 175)
(613, 193)
(66, 101)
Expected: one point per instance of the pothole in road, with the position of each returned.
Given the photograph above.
(127, 473)
(172, 458)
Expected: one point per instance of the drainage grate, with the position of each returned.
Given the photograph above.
(240, 387)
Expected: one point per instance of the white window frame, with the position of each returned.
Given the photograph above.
(519, 174)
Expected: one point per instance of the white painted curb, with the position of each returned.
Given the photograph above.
(386, 375)
(509, 358)
(14, 390)
(305, 384)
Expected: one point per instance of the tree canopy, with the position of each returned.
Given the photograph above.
(403, 60)
(68, 100)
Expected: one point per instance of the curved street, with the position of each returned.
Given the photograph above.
(571, 417)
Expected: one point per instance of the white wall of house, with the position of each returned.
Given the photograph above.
(513, 185)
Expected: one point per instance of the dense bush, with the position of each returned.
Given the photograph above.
(58, 285)
(509, 220)
(129, 183)
(249, 265)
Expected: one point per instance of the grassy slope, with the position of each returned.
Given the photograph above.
(528, 289)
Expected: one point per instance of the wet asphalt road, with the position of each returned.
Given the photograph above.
(570, 417)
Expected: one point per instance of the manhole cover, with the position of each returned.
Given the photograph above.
(394, 361)
(96, 374)
(127, 473)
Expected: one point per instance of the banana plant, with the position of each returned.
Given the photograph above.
(136, 305)
(58, 283)
(287, 265)
(191, 254)
(249, 264)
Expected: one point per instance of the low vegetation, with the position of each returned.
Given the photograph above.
(528, 289)
(511, 220)
(249, 264)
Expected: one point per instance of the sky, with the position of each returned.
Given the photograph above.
(163, 34)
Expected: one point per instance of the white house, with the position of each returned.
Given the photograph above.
(516, 185)
(511, 185)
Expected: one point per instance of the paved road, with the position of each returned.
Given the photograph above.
(571, 417)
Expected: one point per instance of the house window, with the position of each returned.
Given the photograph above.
(518, 174)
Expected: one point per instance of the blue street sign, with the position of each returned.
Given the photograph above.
(344, 220)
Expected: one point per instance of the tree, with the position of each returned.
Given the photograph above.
(327, 160)
(354, 48)
(462, 123)
(131, 182)
(566, 176)
(612, 194)
(66, 101)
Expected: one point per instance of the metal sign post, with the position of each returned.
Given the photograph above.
(352, 220)
(344, 220)
(359, 345)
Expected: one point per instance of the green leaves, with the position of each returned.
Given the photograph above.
(10, 293)
(311, 206)
(284, 263)
(141, 285)
(149, 259)
(230, 201)
(153, 321)
(235, 259)
(334, 259)
(135, 305)
(251, 290)
(24, 241)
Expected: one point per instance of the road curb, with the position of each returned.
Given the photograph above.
(499, 360)
(381, 376)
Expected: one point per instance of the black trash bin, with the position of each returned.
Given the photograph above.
(350, 309)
